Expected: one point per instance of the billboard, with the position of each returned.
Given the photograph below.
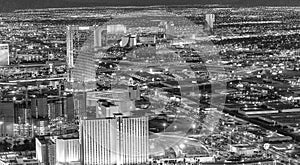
(4, 54)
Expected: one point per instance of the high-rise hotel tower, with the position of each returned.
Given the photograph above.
(210, 20)
(81, 44)
(117, 140)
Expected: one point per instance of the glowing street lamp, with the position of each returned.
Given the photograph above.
(164, 125)
(194, 127)
(1, 125)
(175, 127)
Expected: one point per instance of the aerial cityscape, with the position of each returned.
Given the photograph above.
(190, 84)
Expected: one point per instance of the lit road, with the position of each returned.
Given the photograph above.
(39, 79)
(176, 140)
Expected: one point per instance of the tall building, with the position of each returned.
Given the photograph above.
(210, 20)
(132, 40)
(82, 44)
(134, 92)
(4, 54)
(42, 126)
(80, 53)
(69, 109)
(68, 151)
(100, 37)
(117, 140)
(7, 118)
(14, 119)
(55, 107)
(124, 41)
(80, 104)
(45, 149)
(52, 153)
(76, 37)
(39, 107)
(41, 150)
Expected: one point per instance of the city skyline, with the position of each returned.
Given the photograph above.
(7, 6)
(159, 85)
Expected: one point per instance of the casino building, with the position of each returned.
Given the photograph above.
(116, 140)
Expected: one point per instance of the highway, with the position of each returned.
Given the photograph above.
(55, 78)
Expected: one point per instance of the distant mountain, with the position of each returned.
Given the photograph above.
(10, 5)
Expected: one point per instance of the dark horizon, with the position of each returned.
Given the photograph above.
(11, 5)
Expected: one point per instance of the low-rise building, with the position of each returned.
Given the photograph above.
(243, 149)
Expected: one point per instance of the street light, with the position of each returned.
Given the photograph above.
(164, 125)
(1, 125)
(175, 127)
(194, 127)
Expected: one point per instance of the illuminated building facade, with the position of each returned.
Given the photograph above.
(68, 151)
(117, 28)
(4, 54)
(116, 140)
(45, 149)
(80, 53)
(132, 40)
(128, 41)
(82, 43)
(210, 20)
(124, 41)
(42, 126)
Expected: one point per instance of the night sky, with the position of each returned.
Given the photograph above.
(10, 5)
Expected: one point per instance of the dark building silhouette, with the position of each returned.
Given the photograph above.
(39, 108)
(7, 118)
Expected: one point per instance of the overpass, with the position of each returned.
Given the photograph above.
(56, 78)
